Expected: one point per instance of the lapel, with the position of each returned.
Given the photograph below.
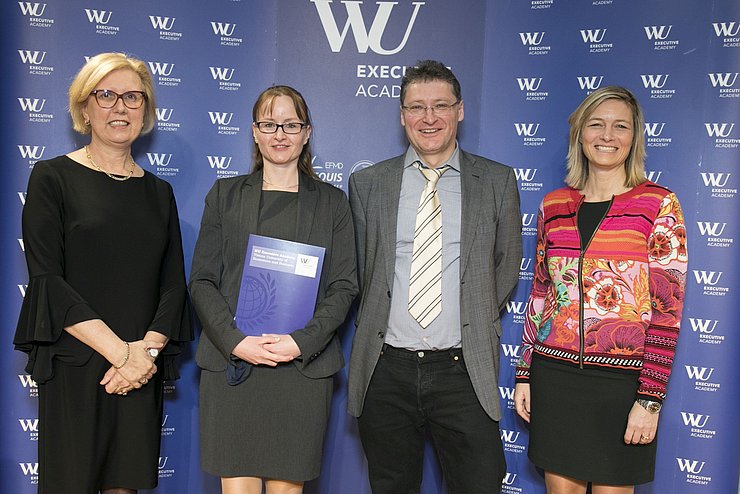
(308, 198)
(249, 208)
(390, 190)
(471, 175)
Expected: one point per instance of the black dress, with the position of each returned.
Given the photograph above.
(98, 248)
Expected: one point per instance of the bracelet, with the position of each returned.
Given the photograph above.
(125, 359)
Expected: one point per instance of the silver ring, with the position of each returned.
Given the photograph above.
(123, 393)
(144, 381)
(153, 352)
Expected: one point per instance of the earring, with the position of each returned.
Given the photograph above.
(87, 123)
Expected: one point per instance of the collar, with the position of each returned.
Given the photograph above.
(453, 161)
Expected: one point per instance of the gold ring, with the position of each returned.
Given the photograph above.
(644, 437)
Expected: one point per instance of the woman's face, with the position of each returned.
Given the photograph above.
(118, 126)
(606, 136)
(280, 149)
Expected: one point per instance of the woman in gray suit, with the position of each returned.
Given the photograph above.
(265, 400)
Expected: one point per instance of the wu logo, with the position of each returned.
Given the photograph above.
(715, 179)
(694, 419)
(532, 39)
(654, 129)
(719, 130)
(510, 350)
(699, 373)
(31, 152)
(527, 129)
(527, 219)
(509, 436)
(34, 105)
(220, 118)
(221, 73)
(22, 244)
(525, 263)
(705, 326)
(159, 159)
(164, 420)
(98, 16)
(161, 69)
(163, 461)
(515, 307)
(654, 81)
(525, 174)
(653, 176)
(707, 278)
(223, 28)
(690, 466)
(26, 381)
(726, 79)
(162, 23)
(32, 57)
(22, 197)
(29, 469)
(219, 162)
(726, 29)
(657, 32)
(29, 425)
(590, 83)
(364, 39)
(164, 114)
(32, 9)
(506, 392)
(711, 229)
(593, 35)
(22, 289)
(529, 83)
(509, 479)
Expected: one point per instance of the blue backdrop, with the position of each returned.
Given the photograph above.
(524, 65)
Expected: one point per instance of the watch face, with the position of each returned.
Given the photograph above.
(654, 407)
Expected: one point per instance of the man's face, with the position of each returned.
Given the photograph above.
(430, 134)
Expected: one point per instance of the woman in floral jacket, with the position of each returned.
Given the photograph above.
(604, 312)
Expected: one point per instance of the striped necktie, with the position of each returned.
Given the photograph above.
(425, 281)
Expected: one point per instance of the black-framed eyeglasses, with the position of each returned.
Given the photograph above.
(440, 109)
(108, 99)
(288, 127)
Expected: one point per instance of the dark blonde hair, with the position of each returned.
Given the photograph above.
(578, 163)
(265, 101)
(94, 71)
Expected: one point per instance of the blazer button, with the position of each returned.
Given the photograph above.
(381, 334)
(389, 294)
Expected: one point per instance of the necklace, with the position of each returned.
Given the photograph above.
(114, 177)
(279, 186)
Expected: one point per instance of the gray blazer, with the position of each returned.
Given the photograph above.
(490, 256)
(230, 215)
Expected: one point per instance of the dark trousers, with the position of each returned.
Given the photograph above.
(410, 391)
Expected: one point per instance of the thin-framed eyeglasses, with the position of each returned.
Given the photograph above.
(288, 127)
(439, 109)
(108, 99)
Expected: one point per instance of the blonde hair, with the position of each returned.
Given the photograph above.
(94, 71)
(577, 164)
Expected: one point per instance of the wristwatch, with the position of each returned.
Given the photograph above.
(650, 406)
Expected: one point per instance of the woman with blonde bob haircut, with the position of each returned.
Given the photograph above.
(106, 300)
(604, 312)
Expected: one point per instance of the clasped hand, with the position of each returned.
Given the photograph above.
(136, 372)
(268, 349)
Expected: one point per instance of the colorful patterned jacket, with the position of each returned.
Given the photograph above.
(618, 304)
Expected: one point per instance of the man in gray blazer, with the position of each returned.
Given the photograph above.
(438, 371)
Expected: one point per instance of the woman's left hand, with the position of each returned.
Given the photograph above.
(641, 426)
(115, 383)
(284, 345)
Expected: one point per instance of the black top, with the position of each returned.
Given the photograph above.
(590, 215)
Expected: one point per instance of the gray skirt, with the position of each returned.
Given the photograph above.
(272, 425)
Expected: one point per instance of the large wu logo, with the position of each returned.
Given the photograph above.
(510, 350)
(704, 326)
(29, 425)
(590, 83)
(726, 29)
(658, 32)
(162, 462)
(654, 129)
(654, 81)
(162, 23)
(29, 469)
(690, 466)
(525, 174)
(223, 28)
(506, 392)
(515, 307)
(707, 277)
(653, 175)
(509, 479)
(31, 152)
(219, 162)
(509, 436)
(694, 419)
(32, 57)
(26, 381)
(220, 118)
(34, 105)
(221, 73)
(161, 69)
(593, 35)
(723, 79)
(526, 129)
(527, 219)
(711, 229)
(159, 159)
(529, 83)
(699, 373)
(98, 16)
(364, 39)
(525, 263)
(715, 179)
(715, 129)
(164, 114)
(32, 9)
(532, 39)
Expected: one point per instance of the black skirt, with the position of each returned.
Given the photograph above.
(578, 421)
